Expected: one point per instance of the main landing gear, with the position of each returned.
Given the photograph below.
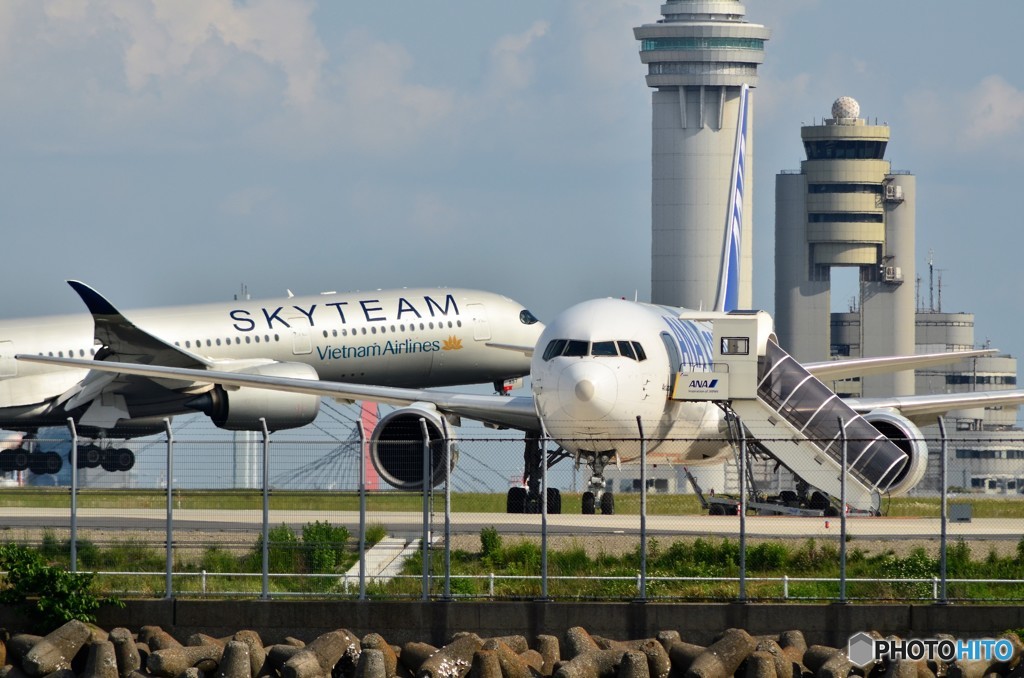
(48, 463)
(528, 499)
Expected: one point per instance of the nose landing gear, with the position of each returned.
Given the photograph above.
(596, 494)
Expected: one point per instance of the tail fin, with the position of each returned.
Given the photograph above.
(728, 284)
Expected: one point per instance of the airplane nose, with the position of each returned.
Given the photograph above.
(587, 390)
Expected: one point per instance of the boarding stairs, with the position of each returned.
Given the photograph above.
(791, 414)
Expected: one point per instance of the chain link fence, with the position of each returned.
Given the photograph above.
(304, 513)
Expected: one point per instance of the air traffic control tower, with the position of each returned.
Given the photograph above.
(846, 207)
(699, 56)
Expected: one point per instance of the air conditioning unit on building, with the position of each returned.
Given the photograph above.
(892, 274)
(894, 193)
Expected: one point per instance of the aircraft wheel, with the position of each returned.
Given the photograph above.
(515, 501)
(607, 504)
(554, 501)
(124, 459)
(588, 503)
(789, 498)
(89, 456)
(52, 462)
(19, 459)
(37, 463)
(6, 461)
(716, 510)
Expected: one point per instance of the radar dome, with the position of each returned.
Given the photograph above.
(845, 107)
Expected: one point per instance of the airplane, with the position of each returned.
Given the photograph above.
(406, 338)
(604, 368)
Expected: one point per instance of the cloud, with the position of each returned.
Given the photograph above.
(993, 110)
(376, 103)
(983, 118)
(195, 39)
(512, 64)
(608, 54)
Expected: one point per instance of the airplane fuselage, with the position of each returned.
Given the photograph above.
(404, 338)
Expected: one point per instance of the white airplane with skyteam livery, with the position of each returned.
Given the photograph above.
(409, 338)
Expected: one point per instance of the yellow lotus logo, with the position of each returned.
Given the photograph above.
(452, 343)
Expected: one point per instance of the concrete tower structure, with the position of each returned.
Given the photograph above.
(699, 56)
(846, 207)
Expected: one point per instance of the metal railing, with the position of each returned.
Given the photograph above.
(441, 576)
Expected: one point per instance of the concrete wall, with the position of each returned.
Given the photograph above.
(434, 622)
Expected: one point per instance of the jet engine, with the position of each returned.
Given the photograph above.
(908, 437)
(241, 409)
(396, 447)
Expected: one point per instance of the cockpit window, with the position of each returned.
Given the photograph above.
(527, 318)
(576, 349)
(555, 348)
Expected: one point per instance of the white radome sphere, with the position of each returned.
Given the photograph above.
(845, 107)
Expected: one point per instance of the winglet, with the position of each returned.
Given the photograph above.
(94, 301)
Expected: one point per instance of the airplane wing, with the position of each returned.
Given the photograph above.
(516, 412)
(922, 409)
(858, 367)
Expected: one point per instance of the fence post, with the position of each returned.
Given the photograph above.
(362, 512)
(265, 555)
(169, 564)
(743, 510)
(73, 458)
(642, 581)
(425, 542)
(842, 514)
(543, 513)
(447, 512)
(943, 598)
(785, 587)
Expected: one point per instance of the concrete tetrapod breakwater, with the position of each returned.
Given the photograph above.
(78, 650)
(436, 621)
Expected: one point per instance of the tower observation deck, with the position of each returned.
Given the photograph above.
(699, 56)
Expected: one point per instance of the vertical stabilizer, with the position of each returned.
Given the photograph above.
(728, 283)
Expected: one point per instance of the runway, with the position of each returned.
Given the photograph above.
(409, 523)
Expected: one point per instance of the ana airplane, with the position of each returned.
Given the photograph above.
(605, 368)
(401, 338)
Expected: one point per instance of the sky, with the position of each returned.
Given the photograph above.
(173, 151)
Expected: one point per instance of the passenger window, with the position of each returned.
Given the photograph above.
(554, 348)
(626, 349)
(577, 348)
(603, 348)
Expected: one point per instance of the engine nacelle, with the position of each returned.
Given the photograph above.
(241, 409)
(908, 437)
(396, 447)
